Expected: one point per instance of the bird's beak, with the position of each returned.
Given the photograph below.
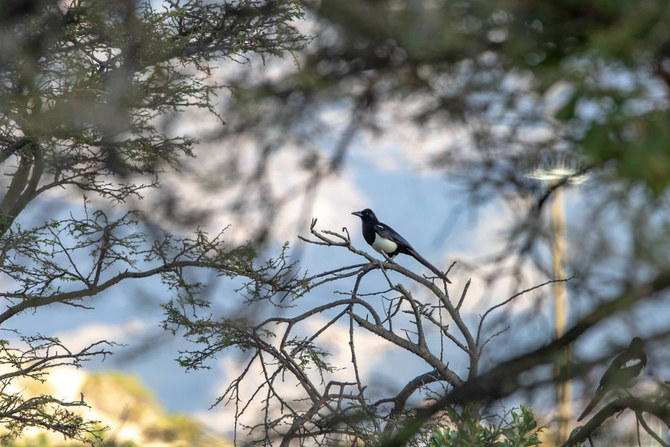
(357, 213)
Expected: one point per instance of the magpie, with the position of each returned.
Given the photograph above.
(621, 374)
(388, 242)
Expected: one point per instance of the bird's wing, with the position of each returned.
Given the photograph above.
(621, 374)
(389, 233)
(624, 368)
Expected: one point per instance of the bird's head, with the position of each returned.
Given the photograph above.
(366, 214)
(636, 344)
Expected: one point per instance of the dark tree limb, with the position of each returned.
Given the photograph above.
(660, 408)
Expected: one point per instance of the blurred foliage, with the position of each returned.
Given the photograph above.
(492, 69)
(87, 87)
(521, 431)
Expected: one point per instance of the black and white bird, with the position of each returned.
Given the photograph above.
(388, 242)
(621, 374)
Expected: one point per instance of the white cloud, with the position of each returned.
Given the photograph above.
(83, 336)
(236, 203)
(67, 382)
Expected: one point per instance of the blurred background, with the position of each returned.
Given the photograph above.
(519, 141)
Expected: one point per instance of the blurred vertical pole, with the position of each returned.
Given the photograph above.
(564, 167)
(563, 385)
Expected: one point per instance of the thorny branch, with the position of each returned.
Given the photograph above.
(32, 360)
(81, 256)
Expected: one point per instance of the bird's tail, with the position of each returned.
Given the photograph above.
(600, 393)
(434, 269)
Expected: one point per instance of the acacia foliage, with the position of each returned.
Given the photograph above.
(90, 94)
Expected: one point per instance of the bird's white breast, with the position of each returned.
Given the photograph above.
(384, 245)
